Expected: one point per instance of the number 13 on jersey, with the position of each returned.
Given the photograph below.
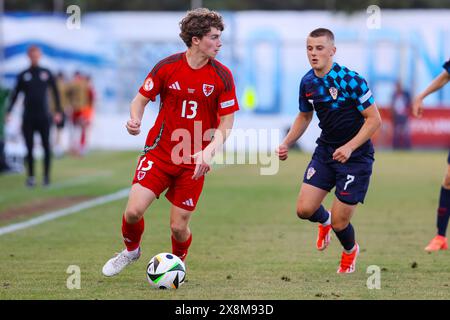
(192, 109)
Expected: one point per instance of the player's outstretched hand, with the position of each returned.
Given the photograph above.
(133, 126)
(342, 154)
(202, 161)
(282, 152)
(417, 107)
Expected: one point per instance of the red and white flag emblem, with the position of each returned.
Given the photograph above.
(208, 89)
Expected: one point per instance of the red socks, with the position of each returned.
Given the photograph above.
(132, 233)
(180, 249)
(83, 138)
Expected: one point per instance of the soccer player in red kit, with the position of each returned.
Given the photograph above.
(196, 115)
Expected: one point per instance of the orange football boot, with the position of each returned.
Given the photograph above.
(437, 243)
(348, 261)
(323, 237)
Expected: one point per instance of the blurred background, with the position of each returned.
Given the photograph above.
(397, 46)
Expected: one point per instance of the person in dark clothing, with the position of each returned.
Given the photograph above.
(34, 83)
(400, 108)
(3, 97)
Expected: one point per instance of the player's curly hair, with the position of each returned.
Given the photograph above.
(198, 22)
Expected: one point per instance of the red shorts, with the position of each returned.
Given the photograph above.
(83, 115)
(157, 176)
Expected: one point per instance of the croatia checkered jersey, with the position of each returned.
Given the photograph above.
(338, 99)
(446, 66)
(190, 99)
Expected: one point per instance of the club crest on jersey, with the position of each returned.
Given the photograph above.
(148, 84)
(333, 92)
(311, 171)
(141, 175)
(208, 89)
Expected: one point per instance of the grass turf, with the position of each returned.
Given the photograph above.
(247, 241)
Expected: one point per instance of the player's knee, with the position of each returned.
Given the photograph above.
(178, 228)
(339, 225)
(133, 215)
(305, 211)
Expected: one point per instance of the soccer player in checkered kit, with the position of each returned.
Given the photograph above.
(196, 114)
(439, 242)
(343, 158)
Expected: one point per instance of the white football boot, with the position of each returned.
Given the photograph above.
(119, 262)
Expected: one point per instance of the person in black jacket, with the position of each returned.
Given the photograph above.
(3, 98)
(34, 83)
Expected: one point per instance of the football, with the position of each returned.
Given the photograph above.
(166, 271)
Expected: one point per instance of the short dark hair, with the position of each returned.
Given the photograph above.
(33, 47)
(198, 22)
(320, 32)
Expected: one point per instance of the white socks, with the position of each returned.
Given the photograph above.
(132, 254)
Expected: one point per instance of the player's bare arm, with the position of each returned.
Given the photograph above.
(137, 108)
(203, 158)
(299, 127)
(440, 81)
(371, 124)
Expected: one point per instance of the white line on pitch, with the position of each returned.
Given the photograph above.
(79, 180)
(66, 211)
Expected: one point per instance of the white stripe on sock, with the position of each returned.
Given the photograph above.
(328, 222)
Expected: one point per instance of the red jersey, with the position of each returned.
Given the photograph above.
(192, 101)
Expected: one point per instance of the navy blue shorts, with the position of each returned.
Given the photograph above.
(351, 179)
(448, 157)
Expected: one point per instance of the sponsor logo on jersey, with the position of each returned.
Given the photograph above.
(141, 175)
(311, 171)
(333, 92)
(148, 84)
(227, 104)
(175, 86)
(191, 90)
(44, 76)
(208, 89)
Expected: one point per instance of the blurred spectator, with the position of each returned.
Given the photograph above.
(88, 114)
(3, 97)
(81, 98)
(34, 83)
(62, 86)
(400, 110)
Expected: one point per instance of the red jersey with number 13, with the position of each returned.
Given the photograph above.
(192, 101)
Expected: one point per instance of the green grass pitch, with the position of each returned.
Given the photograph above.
(247, 240)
